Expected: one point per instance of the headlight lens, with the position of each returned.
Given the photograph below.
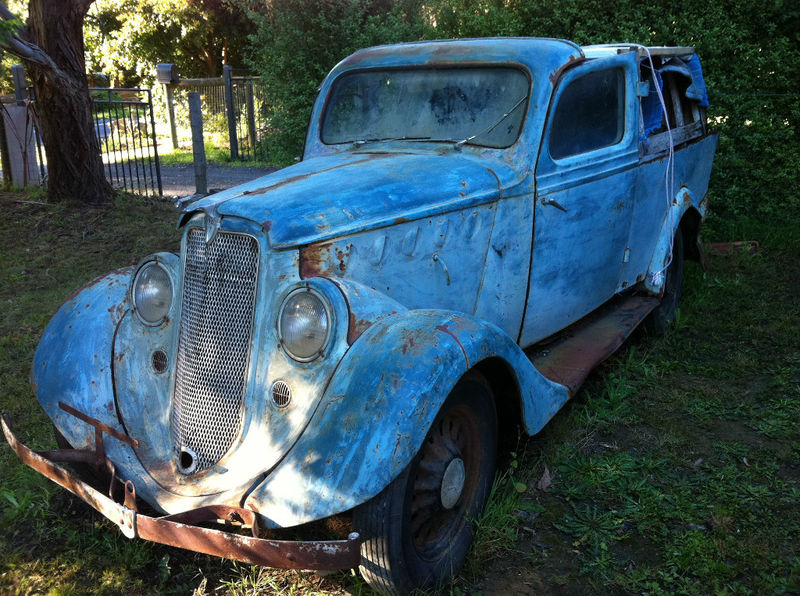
(304, 324)
(152, 293)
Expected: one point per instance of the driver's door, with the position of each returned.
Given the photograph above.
(585, 176)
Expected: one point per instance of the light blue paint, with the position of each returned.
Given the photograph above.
(73, 362)
(582, 245)
(424, 252)
(379, 405)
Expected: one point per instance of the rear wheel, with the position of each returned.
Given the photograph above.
(418, 530)
(664, 314)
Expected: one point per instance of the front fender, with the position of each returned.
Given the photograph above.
(379, 406)
(73, 359)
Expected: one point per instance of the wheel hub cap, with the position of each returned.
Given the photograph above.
(453, 483)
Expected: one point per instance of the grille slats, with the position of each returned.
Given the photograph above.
(214, 343)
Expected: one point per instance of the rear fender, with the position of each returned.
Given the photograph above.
(379, 406)
(656, 272)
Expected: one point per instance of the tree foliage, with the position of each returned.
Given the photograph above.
(296, 44)
(19, 9)
(51, 45)
(125, 39)
(747, 48)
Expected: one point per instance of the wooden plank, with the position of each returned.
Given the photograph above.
(658, 143)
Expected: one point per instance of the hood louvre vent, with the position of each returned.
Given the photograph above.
(214, 344)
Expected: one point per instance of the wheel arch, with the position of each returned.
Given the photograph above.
(685, 215)
(689, 226)
(381, 402)
(505, 391)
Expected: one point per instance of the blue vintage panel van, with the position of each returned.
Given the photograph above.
(473, 226)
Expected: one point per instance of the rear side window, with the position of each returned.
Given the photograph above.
(590, 114)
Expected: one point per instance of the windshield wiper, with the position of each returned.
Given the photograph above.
(521, 100)
(365, 141)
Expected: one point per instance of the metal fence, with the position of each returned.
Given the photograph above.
(234, 111)
(125, 129)
(123, 123)
(23, 158)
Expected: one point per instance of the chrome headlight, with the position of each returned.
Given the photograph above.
(152, 293)
(304, 324)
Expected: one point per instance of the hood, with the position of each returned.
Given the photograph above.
(334, 195)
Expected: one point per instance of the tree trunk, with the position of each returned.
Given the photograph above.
(74, 165)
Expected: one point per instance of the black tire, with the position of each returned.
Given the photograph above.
(663, 316)
(412, 539)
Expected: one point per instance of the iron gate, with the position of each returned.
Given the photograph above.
(125, 129)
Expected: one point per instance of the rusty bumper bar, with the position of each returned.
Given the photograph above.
(179, 529)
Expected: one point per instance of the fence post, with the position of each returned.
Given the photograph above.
(167, 75)
(5, 158)
(20, 88)
(198, 148)
(251, 116)
(173, 127)
(231, 113)
(155, 143)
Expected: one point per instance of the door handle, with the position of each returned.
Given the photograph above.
(554, 203)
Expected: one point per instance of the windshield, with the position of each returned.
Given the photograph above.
(454, 104)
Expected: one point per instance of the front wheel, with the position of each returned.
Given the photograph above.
(418, 530)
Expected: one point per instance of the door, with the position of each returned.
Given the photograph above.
(585, 180)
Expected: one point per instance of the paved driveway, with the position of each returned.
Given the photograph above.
(178, 181)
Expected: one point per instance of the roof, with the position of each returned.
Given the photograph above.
(605, 50)
(533, 52)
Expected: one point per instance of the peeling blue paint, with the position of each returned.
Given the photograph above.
(429, 259)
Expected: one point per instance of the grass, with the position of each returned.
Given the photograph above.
(677, 467)
(675, 470)
(215, 155)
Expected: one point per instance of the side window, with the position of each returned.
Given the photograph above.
(590, 114)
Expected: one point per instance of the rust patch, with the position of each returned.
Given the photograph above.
(497, 179)
(342, 256)
(554, 76)
(396, 445)
(314, 260)
(356, 328)
(266, 226)
(751, 247)
(446, 329)
(569, 360)
(182, 529)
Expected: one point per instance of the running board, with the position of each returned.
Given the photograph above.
(572, 354)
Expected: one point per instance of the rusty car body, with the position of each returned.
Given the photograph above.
(474, 225)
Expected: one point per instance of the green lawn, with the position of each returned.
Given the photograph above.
(675, 470)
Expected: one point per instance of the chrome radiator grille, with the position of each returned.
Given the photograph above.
(214, 344)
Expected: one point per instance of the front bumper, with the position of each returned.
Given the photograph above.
(180, 529)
